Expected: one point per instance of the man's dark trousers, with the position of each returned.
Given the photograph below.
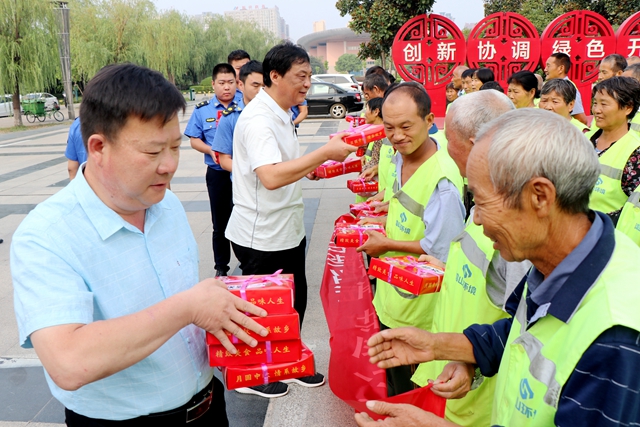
(291, 261)
(221, 202)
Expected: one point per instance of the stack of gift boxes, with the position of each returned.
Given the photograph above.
(281, 354)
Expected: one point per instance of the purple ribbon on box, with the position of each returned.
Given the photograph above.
(354, 131)
(265, 373)
(255, 282)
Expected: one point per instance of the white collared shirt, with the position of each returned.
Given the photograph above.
(266, 220)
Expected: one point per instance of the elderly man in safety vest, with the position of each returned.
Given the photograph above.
(569, 353)
(477, 279)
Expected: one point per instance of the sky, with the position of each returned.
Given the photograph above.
(300, 14)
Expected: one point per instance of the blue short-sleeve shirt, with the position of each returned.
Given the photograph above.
(74, 260)
(203, 123)
(75, 147)
(223, 141)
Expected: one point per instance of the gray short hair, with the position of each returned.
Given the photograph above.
(562, 87)
(469, 112)
(530, 143)
(635, 70)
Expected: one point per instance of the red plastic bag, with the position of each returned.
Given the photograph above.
(347, 302)
(423, 398)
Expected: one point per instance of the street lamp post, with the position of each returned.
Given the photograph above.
(64, 48)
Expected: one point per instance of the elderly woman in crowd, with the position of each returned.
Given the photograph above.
(615, 102)
(480, 77)
(523, 89)
(559, 96)
(571, 339)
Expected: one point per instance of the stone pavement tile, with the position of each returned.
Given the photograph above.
(24, 394)
(28, 424)
(53, 411)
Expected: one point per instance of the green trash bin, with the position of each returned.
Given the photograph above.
(192, 94)
(33, 106)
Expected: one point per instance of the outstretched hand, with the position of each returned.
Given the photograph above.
(401, 346)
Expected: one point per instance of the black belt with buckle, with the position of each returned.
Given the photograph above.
(196, 407)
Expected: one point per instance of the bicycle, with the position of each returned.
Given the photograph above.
(42, 114)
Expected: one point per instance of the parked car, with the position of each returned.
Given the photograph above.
(50, 101)
(6, 105)
(345, 81)
(327, 98)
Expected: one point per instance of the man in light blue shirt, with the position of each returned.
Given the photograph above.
(105, 272)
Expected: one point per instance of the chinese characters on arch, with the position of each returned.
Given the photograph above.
(428, 47)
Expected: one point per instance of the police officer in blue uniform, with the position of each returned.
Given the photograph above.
(201, 131)
(250, 82)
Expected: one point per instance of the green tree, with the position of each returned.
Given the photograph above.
(28, 48)
(317, 65)
(381, 19)
(348, 63)
(167, 43)
(108, 31)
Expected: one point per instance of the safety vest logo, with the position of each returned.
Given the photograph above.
(526, 393)
(466, 271)
(597, 188)
(460, 278)
(403, 217)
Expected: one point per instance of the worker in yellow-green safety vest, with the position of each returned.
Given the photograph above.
(425, 210)
(568, 354)
(477, 279)
(614, 101)
(629, 221)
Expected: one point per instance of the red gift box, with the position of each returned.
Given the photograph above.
(331, 168)
(280, 327)
(407, 273)
(362, 186)
(264, 352)
(353, 235)
(370, 214)
(356, 208)
(252, 375)
(355, 121)
(273, 292)
(362, 135)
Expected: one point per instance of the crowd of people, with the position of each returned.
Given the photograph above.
(533, 211)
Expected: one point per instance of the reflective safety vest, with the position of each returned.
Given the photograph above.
(538, 360)
(441, 138)
(464, 301)
(405, 222)
(386, 169)
(607, 196)
(369, 152)
(577, 123)
(629, 221)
